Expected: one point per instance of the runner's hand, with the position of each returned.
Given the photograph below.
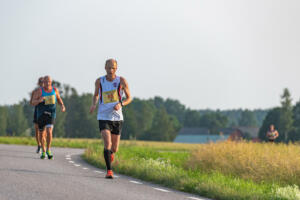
(93, 107)
(63, 108)
(41, 99)
(118, 106)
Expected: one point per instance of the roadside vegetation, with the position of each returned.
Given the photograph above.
(224, 170)
(56, 142)
(258, 171)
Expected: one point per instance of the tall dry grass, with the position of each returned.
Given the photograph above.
(261, 162)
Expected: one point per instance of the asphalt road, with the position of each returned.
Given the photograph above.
(24, 176)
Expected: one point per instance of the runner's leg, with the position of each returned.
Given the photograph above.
(49, 137)
(37, 137)
(49, 129)
(115, 139)
(42, 134)
(106, 136)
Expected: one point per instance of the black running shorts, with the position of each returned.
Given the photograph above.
(115, 127)
(45, 120)
(35, 115)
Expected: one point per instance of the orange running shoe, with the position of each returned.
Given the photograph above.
(109, 174)
(112, 157)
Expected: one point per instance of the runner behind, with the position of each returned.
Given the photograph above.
(36, 128)
(46, 113)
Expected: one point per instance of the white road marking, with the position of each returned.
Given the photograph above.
(135, 182)
(68, 157)
(194, 198)
(162, 190)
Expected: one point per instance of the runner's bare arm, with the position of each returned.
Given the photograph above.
(37, 97)
(60, 101)
(96, 96)
(125, 88)
(276, 134)
(31, 98)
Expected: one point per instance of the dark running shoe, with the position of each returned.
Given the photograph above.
(43, 155)
(49, 154)
(38, 149)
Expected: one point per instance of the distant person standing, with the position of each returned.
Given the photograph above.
(46, 113)
(272, 134)
(109, 90)
(36, 128)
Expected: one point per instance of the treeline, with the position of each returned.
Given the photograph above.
(151, 119)
(285, 118)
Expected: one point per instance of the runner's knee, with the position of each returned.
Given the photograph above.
(114, 149)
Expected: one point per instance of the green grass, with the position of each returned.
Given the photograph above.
(56, 142)
(168, 169)
(170, 165)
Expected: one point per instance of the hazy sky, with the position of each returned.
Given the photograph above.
(205, 53)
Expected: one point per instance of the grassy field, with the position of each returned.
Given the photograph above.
(221, 171)
(266, 162)
(57, 142)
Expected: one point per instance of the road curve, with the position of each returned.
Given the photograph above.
(24, 176)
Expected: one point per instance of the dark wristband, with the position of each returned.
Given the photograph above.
(121, 103)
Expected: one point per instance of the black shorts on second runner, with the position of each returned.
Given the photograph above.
(115, 127)
(44, 120)
(35, 116)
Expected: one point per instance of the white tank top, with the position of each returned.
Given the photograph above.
(110, 94)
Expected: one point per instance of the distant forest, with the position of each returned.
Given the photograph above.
(145, 119)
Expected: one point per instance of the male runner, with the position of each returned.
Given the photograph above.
(46, 113)
(109, 90)
(36, 128)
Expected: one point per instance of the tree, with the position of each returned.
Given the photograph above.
(59, 128)
(3, 120)
(281, 118)
(158, 102)
(164, 127)
(17, 122)
(247, 119)
(213, 121)
(286, 115)
(130, 127)
(144, 113)
(273, 117)
(28, 113)
(78, 121)
(174, 107)
(295, 134)
(191, 118)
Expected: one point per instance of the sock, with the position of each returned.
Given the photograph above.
(107, 158)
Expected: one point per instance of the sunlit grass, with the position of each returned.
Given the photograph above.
(226, 170)
(260, 162)
(169, 168)
(57, 142)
